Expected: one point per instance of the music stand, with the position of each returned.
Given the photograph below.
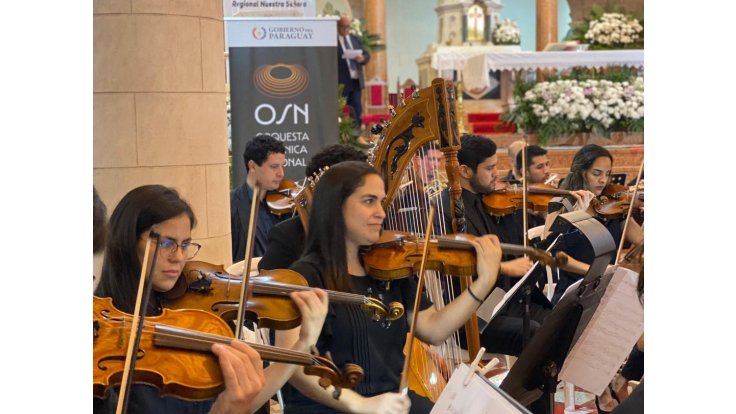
(535, 372)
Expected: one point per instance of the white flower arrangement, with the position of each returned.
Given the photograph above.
(506, 33)
(355, 28)
(566, 107)
(614, 29)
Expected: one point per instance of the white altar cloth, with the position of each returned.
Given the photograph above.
(475, 68)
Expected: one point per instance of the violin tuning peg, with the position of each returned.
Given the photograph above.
(336, 393)
(376, 129)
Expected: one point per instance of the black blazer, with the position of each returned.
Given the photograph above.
(343, 72)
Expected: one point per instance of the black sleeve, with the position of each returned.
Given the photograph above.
(284, 245)
(238, 226)
(310, 271)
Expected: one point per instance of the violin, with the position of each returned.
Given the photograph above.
(281, 200)
(615, 200)
(175, 353)
(508, 200)
(210, 288)
(397, 255)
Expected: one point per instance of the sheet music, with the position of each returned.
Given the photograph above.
(352, 53)
(478, 397)
(613, 330)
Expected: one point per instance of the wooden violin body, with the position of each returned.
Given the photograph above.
(508, 200)
(211, 288)
(397, 255)
(281, 201)
(182, 373)
(174, 353)
(615, 200)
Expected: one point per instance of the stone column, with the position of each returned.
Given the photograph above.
(375, 15)
(546, 27)
(159, 108)
(546, 23)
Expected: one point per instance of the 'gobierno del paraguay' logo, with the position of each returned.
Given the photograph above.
(281, 80)
(259, 33)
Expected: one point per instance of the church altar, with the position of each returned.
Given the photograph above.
(475, 68)
(455, 57)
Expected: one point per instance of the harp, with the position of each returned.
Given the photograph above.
(425, 122)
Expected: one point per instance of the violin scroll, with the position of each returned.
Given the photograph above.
(347, 377)
(379, 311)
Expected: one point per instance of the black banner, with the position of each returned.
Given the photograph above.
(289, 93)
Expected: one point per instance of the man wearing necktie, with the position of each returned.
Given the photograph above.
(350, 71)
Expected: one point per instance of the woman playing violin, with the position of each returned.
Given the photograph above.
(590, 170)
(347, 215)
(160, 208)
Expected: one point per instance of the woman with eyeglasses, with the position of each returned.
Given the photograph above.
(156, 207)
(346, 216)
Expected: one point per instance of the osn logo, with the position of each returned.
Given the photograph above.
(281, 80)
(259, 33)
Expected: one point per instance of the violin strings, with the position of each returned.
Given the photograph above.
(282, 289)
(266, 351)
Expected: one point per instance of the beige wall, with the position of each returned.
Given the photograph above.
(159, 108)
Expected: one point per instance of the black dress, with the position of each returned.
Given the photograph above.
(146, 399)
(351, 336)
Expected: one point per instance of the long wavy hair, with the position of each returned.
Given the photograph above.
(326, 240)
(583, 160)
(137, 212)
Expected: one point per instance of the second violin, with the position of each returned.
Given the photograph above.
(508, 200)
(397, 255)
(209, 287)
(281, 200)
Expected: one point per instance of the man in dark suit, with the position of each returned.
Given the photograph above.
(264, 157)
(350, 71)
(477, 176)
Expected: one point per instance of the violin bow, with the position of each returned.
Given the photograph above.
(249, 244)
(524, 191)
(404, 384)
(628, 215)
(141, 303)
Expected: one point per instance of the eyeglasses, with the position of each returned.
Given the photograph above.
(188, 249)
